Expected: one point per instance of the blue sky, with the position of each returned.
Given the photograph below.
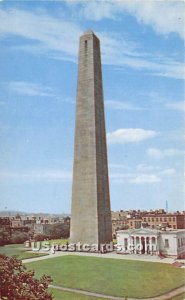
(142, 45)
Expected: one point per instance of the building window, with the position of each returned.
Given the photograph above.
(152, 219)
(144, 219)
(148, 219)
(161, 219)
(165, 219)
(131, 224)
(173, 219)
(170, 219)
(156, 219)
(174, 227)
(179, 244)
(85, 45)
(166, 243)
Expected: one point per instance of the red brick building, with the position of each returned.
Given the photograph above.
(174, 221)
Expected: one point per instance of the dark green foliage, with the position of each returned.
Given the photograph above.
(4, 237)
(59, 230)
(41, 237)
(19, 284)
(19, 237)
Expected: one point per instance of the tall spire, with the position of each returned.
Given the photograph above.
(91, 214)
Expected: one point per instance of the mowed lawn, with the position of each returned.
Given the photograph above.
(111, 276)
(19, 251)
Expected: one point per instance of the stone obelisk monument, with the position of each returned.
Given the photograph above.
(91, 214)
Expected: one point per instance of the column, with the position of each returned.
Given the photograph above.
(156, 247)
(153, 245)
(145, 245)
(134, 244)
(149, 245)
(131, 244)
(140, 245)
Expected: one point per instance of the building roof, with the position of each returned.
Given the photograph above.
(161, 215)
(144, 231)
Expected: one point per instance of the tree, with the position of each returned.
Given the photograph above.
(4, 237)
(59, 230)
(19, 284)
(41, 237)
(19, 237)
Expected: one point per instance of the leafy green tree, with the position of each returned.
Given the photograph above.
(19, 237)
(41, 237)
(19, 284)
(59, 230)
(4, 237)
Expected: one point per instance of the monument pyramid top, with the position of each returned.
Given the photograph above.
(89, 31)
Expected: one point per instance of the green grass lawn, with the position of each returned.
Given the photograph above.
(58, 241)
(111, 276)
(58, 295)
(19, 251)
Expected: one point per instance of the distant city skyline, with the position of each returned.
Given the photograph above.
(13, 213)
(143, 72)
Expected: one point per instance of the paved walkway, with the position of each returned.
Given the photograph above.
(147, 258)
(166, 296)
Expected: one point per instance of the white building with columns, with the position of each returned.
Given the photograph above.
(152, 242)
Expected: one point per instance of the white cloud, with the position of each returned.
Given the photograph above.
(120, 105)
(167, 172)
(145, 178)
(119, 52)
(59, 39)
(129, 135)
(144, 168)
(36, 175)
(176, 106)
(46, 32)
(126, 175)
(104, 10)
(118, 166)
(142, 174)
(162, 101)
(30, 89)
(160, 154)
(155, 153)
(164, 17)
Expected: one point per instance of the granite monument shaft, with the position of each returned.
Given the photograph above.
(91, 214)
